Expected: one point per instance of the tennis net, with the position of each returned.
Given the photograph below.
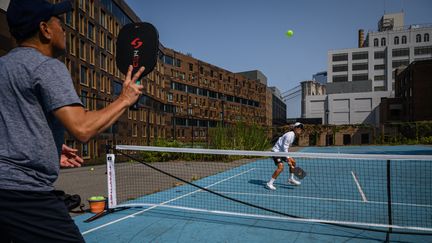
(388, 192)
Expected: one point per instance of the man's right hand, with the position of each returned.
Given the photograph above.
(131, 90)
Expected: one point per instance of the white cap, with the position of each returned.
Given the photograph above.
(298, 125)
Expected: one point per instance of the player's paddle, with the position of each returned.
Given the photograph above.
(137, 45)
(299, 173)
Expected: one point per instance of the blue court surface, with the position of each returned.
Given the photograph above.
(216, 219)
(400, 149)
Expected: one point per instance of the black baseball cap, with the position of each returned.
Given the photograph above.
(24, 16)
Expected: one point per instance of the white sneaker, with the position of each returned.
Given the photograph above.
(294, 182)
(270, 186)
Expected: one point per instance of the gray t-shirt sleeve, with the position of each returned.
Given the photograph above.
(53, 81)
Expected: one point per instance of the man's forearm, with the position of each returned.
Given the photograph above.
(84, 125)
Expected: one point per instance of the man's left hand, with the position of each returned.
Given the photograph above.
(69, 158)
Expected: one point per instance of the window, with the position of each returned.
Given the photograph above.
(359, 55)
(134, 130)
(108, 86)
(404, 39)
(360, 66)
(379, 88)
(110, 24)
(340, 57)
(379, 55)
(365, 138)
(92, 55)
(313, 139)
(81, 24)
(379, 67)
(81, 4)
(82, 51)
(426, 37)
(168, 60)
(91, 8)
(116, 29)
(102, 83)
(376, 42)
(329, 140)
(103, 61)
(109, 44)
(90, 31)
(85, 150)
(102, 39)
(71, 44)
(418, 38)
(346, 139)
(424, 50)
(102, 20)
(401, 52)
(360, 77)
(96, 77)
(93, 102)
(396, 40)
(379, 77)
(383, 42)
(340, 68)
(70, 19)
(84, 75)
(399, 63)
(190, 67)
(340, 78)
(84, 99)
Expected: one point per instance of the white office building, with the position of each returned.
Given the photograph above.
(358, 78)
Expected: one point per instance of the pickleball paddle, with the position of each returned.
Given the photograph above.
(137, 45)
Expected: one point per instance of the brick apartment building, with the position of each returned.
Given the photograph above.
(184, 97)
(413, 100)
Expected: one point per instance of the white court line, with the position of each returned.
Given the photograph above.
(157, 205)
(287, 218)
(324, 199)
(359, 187)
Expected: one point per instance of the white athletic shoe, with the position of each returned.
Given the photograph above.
(270, 186)
(294, 182)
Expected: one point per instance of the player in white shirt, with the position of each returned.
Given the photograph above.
(282, 145)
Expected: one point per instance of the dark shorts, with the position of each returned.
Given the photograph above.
(27, 216)
(278, 160)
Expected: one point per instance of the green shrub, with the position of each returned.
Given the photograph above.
(426, 140)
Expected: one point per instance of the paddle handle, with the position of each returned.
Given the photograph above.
(136, 105)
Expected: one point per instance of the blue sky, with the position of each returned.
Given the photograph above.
(240, 35)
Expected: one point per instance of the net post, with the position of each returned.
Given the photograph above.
(111, 181)
(389, 201)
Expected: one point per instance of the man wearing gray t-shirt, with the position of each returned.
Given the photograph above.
(37, 102)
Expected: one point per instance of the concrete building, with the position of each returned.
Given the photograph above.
(359, 78)
(278, 108)
(313, 100)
